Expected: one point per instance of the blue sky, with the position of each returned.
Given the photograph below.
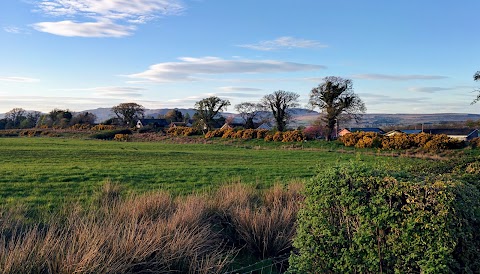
(409, 56)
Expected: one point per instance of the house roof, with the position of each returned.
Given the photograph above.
(366, 129)
(267, 126)
(411, 131)
(392, 132)
(157, 122)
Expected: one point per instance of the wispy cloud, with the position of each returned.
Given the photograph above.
(285, 42)
(18, 79)
(239, 89)
(373, 76)
(15, 30)
(103, 28)
(236, 95)
(428, 89)
(105, 18)
(118, 92)
(188, 69)
(381, 99)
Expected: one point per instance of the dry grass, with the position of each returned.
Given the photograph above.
(154, 233)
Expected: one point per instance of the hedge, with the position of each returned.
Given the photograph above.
(359, 220)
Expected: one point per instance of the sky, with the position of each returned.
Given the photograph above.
(409, 56)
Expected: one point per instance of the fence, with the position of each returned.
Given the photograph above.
(274, 265)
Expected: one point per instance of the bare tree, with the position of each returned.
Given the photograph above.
(249, 111)
(335, 97)
(127, 113)
(84, 118)
(476, 77)
(208, 108)
(279, 102)
(15, 116)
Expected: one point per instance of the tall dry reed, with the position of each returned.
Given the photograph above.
(154, 233)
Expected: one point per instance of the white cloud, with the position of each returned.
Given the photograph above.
(285, 42)
(189, 68)
(18, 79)
(113, 9)
(373, 76)
(102, 18)
(88, 29)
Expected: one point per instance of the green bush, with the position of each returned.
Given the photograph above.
(110, 135)
(360, 220)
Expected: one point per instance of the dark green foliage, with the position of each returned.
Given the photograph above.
(110, 134)
(335, 97)
(360, 220)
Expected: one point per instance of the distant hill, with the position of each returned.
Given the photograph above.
(106, 113)
(386, 120)
(304, 117)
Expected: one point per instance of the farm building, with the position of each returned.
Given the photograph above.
(463, 134)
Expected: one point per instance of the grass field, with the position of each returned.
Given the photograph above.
(223, 228)
(46, 172)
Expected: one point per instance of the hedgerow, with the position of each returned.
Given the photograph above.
(182, 131)
(361, 220)
(248, 134)
(401, 141)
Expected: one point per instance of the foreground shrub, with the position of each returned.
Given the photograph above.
(357, 220)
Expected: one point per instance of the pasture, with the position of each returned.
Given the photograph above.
(43, 173)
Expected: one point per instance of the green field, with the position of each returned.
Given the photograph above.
(40, 176)
(46, 172)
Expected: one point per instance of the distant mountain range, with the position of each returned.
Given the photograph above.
(304, 117)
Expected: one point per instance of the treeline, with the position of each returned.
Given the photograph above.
(19, 118)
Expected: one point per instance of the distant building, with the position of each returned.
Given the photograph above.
(228, 126)
(266, 126)
(181, 124)
(463, 134)
(411, 131)
(155, 123)
(394, 132)
(359, 129)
